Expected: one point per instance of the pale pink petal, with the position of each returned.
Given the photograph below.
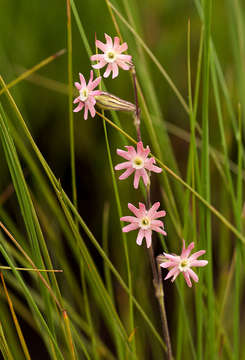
(158, 214)
(100, 45)
(126, 174)
(94, 84)
(116, 43)
(124, 58)
(148, 234)
(186, 251)
(100, 65)
(149, 166)
(91, 109)
(136, 178)
(197, 254)
(159, 230)
(122, 47)
(198, 263)
(172, 257)
(77, 100)
(79, 107)
(82, 80)
(86, 112)
(109, 42)
(153, 209)
(78, 85)
(130, 227)
(108, 70)
(134, 209)
(172, 272)
(131, 150)
(129, 219)
(140, 237)
(157, 223)
(123, 165)
(123, 65)
(167, 264)
(187, 278)
(124, 154)
(142, 209)
(95, 92)
(97, 57)
(193, 275)
(145, 176)
(114, 70)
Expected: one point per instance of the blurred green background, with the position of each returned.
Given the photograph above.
(32, 31)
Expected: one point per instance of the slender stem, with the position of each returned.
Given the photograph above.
(156, 270)
(137, 112)
(160, 297)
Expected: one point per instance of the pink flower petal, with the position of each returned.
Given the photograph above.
(116, 43)
(193, 275)
(114, 70)
(109, 42)
(159, 214)
(126, 174)
(108, 71)
(172, 272)
(123, 48)
(97, 57)
(198, 263)
(140, 237)
(77, 100)
(153, 209)
(82, 80)
(134, 209)
(136, 179)
(186, 252)
(78, 85)
(123, 165)
(148, 234)
(130, 227)
(94, 83)
(123, 65)
(129, 219)
(79, 107)
(124, 154)
(197, 254)
(187, 278)
(100, 45)
(100, 65)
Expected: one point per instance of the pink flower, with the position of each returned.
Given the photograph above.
(183, 263)
(112, 56)
(86, 98)
(145, 220)
(138, 162)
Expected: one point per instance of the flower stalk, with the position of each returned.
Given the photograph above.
(156, 270)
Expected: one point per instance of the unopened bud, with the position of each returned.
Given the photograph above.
(108, 101)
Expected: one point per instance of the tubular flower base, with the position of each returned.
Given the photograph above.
(86, 99)
(112, 56)
(145, 220)
(138, 162)
(183, 263)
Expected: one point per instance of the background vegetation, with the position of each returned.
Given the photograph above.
(191, 85)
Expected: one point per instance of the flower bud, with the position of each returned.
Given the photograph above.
(108, 101)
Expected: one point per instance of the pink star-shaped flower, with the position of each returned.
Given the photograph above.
(112, 56)
(138, 161)
(145, 221)
(183, 263)
(87, 95)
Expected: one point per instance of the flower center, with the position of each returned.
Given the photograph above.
(138, 163)
(110, 56)
(184, 264)
(145, 223)
(84, 93)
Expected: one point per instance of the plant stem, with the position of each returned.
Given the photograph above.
(156, 270)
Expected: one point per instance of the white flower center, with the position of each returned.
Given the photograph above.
(84, 93)
(184, 265)
(145, 223)
(138, 163)
(110, 56)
